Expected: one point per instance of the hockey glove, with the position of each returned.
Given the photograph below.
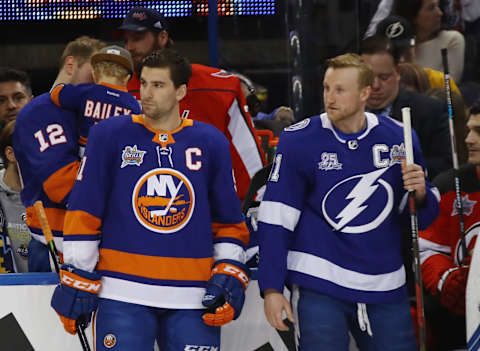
(225, 292)
(76, 297)
(452, 288)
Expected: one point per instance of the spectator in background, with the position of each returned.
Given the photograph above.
(45, 140)
(14, 233)
(426, 18)
(460, 116)
(15, 92)
(213, 95)
(399, 31)
(413, 77)
(428, 116)
(112, 68)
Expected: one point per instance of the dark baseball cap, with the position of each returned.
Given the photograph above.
(140, 19)
(398, 30)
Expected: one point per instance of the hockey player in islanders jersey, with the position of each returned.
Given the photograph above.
(154, 229)
(334, 236)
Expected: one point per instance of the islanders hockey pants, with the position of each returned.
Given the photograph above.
(121, 326)
(323, 323)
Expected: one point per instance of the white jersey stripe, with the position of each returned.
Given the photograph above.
(321, 268)
(229, 251)
(278, 213)
(246, 147)
(152, 295)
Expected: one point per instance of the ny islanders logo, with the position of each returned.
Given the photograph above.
(358, 204)
(163, 200)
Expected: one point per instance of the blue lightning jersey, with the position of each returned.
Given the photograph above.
(154, 210)
(335, 210)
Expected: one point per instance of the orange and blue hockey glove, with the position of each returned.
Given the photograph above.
(225, 292)
(76, 297)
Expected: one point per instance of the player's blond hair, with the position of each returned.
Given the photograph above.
(365, 73)
(82, 49)
(110, 69)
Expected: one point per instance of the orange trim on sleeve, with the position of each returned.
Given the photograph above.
(230, 269)
(81, 222)
(82, 140)
(55, 95)
(60, 183)
(237, 231)
(167, 268)
(55, 217)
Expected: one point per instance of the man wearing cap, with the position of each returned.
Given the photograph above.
(213, 95)
(112, 68)
(400, 32)
(45, 141)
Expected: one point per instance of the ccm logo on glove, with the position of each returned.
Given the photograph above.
(225, 268)
(74, 281)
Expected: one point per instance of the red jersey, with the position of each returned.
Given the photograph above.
(440, 247)
(215, 96)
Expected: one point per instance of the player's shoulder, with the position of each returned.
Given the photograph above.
(467, 174)
(41, 109)
(215, 77)
(206, 130)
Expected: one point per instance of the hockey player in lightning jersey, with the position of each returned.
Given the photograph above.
(330, 224)
(154, 213)
(444, 267)
(45, 141)
(213, 95)
(112, 68)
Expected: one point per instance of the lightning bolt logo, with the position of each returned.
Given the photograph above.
(360, 193)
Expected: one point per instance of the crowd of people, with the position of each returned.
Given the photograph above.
(132, 154)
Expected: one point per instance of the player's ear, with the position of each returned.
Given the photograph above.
(69, 65)
(365, 93)
(9, 154)
(181, 92)
(162, 39)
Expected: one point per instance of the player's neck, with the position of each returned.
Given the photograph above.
(166, 123)
(112, 81)
(353, 124)
(11, 178)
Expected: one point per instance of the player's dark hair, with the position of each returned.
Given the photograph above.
(8, 74)
(475, 109)
(408, 9)
(180, 68)
(378, 44)
(6, 135)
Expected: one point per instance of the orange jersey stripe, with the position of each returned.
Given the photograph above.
(237, 231)
(166, 268)
(60, 183)
(55, 95)
(55, 217)
(81, 222)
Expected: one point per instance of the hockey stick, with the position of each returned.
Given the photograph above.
(407, 135)
(459, 203)
(47, 233)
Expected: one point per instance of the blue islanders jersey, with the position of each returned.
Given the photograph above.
(151, 211)
(334, 211)
(45, 140)
(93, 103)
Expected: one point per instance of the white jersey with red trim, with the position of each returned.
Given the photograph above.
(152, 211)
